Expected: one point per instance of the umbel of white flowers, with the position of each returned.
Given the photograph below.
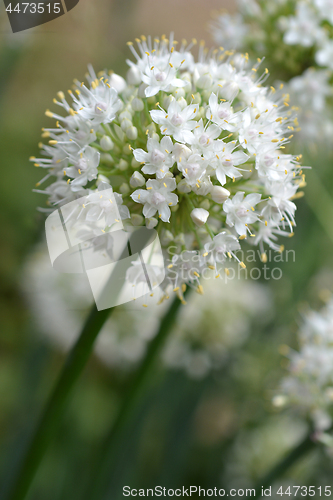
(308, 387)
(296, 37)
(192, 148)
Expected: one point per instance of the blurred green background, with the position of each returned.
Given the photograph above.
(220, 430)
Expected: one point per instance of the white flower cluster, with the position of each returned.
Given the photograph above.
(194, 149)
(297, 37)
(309, 384)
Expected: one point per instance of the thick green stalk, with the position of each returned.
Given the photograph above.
(320, 201)
(51, 417)
(293, 456)
(105, 461)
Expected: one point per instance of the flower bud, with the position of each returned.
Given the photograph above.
(133, 76)
(204, 82)
(132, 133)
(125, 124)
(106, 143)
(141, 90)
(180, 239)
(107, 158)
(219, 194)
(167, 101)
(151, 222)
(166, 237)
(137, 220)
(117, 82)
(101, 178)
(182, 102)
(180, 92)
(137, 180)
(205, 204)
(125, 114)
(135, 163)
(127, 150)
(151, 128)
(183, 187)
(181, 152)
(124, 188)
(137, 104)
(199, 216)
(122, 165)
(229, 91)
(197, 98)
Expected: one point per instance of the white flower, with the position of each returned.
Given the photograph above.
(159, 75)
(186, 268)
(159, 63)
(309, 384)
(100, 205)
(279, 207)
(193, 169)
(98, 104)
(303, 28)
(203, 136)
(268, 233)
(222, 244)
(224, 160)
(157, 198)
(137, 274)
(325, 9)
(85, 167)
(312, 88)
(222, 113)
(176, 122)
(324, 56)
(241, 212)
(158, 159)
(230, 30)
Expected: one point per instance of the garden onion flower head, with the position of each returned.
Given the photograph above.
(308, 387)
(192, 148)
(296, 38)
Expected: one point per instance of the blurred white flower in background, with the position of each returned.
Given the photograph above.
(308, 387)
(296, 37)
(208, 327)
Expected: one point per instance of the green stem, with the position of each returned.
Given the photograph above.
(320, 201)
(49, 421)
(293, 456)
(106, 460)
